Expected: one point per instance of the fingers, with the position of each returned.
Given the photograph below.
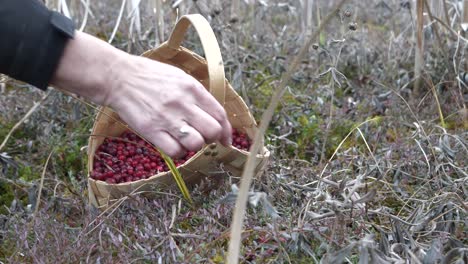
(188, 137)
(210, 129)
(167, 144)
(208, 104)
(160, 99)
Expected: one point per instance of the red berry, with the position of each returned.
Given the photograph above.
(110, 181)
(130, 159)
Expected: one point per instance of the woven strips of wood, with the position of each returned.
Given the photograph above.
(207, 161)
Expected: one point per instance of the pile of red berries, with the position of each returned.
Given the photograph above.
(130, 158)
(240, 140)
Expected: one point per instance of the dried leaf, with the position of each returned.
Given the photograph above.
(434, 253)
(455, 254)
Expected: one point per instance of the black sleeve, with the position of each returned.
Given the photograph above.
(32, 40)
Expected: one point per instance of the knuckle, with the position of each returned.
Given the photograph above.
(191, 84)
(214, 132)
(220, 115)
(143, 125)
(173, 151)
(195, 145)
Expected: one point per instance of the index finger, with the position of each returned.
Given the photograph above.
(209, 104)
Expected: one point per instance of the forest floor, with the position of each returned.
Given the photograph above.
(364, 168)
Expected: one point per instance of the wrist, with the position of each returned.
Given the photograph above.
(90, 68)
(118, 78)
(113, 81)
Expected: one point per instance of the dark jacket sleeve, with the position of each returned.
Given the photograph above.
(32, 40)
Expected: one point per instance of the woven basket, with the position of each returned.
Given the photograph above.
(203, 164)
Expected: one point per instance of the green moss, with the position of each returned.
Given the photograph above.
(338, 131)
(26, 173)
(218, 258)
(7, 248)
(393, 203)
(310, 131)
(69, 160)
(456, 121)
(20, 133)
(6, 196)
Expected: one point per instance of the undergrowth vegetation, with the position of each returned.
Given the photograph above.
(363, 168)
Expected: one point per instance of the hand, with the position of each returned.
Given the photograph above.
(167, 106)
(162, 103)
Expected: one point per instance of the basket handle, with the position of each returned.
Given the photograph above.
(210, 47)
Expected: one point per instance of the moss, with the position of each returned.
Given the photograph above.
(26, 173)
(338, 131)
(457, 121)
(311, 130)
(393, 203)
(218, 258)
(7, 248)
(21, 133)
(70, 161)
(6, 196)
(260, 97)
(70, 158)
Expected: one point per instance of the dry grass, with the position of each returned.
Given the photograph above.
(360, 173)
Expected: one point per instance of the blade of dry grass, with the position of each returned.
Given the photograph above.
(133, 10)
(235, 9)
(247, 175)
(307, 19)
(419, 56)
(375, 119)
(434, 25)
(117, 23)
(464, 23)
(41, 185)
(87, 12)
(439, 107)
(25, 117)
(39, 192)
(446, 26)
(64, 8)
(160, 21)
(177, 177)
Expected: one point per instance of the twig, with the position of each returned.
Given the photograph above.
(235, 9)
(435, 27)
(85, 18)
(450, 29)
(419, 57)
(119, 18)
(25, 117)
(247, 175)
(41, 185)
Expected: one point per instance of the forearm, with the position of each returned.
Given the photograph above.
(89, 67)
(32, 40)
(153, 98)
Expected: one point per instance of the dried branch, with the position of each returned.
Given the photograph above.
(247, 175)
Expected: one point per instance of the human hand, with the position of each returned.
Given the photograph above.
(155, 99)
(166, 106)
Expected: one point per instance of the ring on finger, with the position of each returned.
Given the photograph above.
(184, 131)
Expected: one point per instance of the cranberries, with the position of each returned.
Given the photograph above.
(129, 158)
(240, 140)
